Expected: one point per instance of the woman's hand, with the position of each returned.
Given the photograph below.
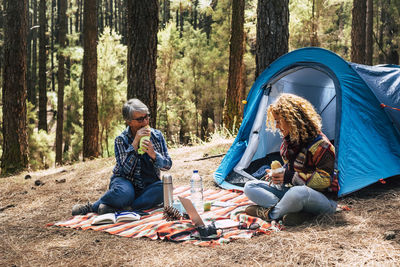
(144, 131)
(277, 178)
(147, 147)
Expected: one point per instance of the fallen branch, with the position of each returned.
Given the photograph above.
(209, 157)
(7, 207)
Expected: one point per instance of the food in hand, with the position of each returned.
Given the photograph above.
(275, 165)
(147, 137)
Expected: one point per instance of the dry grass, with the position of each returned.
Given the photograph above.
(349, 238)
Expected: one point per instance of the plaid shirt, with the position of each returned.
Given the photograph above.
(128, 164)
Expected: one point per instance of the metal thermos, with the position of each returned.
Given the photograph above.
(168, 190)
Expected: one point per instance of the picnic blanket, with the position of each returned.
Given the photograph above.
(153, 225)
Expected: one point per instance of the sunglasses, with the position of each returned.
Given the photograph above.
(141, 119)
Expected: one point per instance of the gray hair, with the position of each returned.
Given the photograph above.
(131, 106)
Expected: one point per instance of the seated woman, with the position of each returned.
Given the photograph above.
(303, 189)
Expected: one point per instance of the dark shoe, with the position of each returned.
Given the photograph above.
(103, 209)
(296, 218)
(258, 211)
(82, 209)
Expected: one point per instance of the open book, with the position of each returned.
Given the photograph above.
(125, 216)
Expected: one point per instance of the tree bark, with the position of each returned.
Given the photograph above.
(369, 43)
(166, 13)
(142, 53)
(100, 16)
(358, 31)
(272, 32)
(42, 125)
(30, 94)
(62, 36)
(53, 83)
(232, 107)
(34, 30)
(15, 140)
(90, 108)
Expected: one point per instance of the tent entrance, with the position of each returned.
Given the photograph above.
(317, 85)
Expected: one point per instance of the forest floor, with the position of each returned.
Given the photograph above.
(368, 234)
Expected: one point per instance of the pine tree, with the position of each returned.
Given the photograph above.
(272, 32)
(62, 36)
(15, 141)
(358, 31)
(90, 108)
(233, 106)
(369, 42)
(42, 125)
(142, 53)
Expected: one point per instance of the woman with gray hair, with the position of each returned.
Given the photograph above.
(135, 183)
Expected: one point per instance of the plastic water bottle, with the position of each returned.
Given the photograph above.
(196, 191)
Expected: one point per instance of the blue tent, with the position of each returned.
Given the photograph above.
(348, 97)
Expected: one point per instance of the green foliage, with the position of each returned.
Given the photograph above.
(111, 88)
(192, 69)
(192, 75)
(332, 19)
(73, 111)
(40, 143)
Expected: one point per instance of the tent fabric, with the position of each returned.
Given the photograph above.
(348, 97)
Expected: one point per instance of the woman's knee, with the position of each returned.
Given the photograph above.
(249, 187)
(297, 193)
(123, 193)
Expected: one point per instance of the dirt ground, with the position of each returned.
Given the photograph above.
(366, 235)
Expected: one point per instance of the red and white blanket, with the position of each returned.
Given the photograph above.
(153, 226)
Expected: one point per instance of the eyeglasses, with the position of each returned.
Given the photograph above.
(141, 119)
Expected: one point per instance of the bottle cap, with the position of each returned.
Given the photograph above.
(195, 171)
(167, 178)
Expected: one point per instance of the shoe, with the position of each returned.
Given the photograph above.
(82, 209)
(258, 211)
(103, 209)
(296, 218)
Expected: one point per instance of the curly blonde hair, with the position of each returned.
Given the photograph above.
(303, 121)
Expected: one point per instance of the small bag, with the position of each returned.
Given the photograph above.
(206, 232)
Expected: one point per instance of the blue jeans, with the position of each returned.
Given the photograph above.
(121, 194)
(288, 199)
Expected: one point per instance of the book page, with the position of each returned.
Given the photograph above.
(127, 216)
(104, 219)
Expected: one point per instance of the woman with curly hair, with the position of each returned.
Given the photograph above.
(302, 189)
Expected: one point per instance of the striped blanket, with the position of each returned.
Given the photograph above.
(153, 226)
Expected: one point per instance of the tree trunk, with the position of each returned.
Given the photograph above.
(53, 82)
(90, 108)
(124, 22)
(358, 31)
(29, 85)
(232, 107)
(314, 23)
(62, 36)
(166, 13)
(195, 13)
(272, 32)
(34, 30)
(15, 140)
(207, 21)
(391, 33)
(42, 125)
(100, 25)
(142, 53)
(81, 21)
(369, 43)
(207, 112)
